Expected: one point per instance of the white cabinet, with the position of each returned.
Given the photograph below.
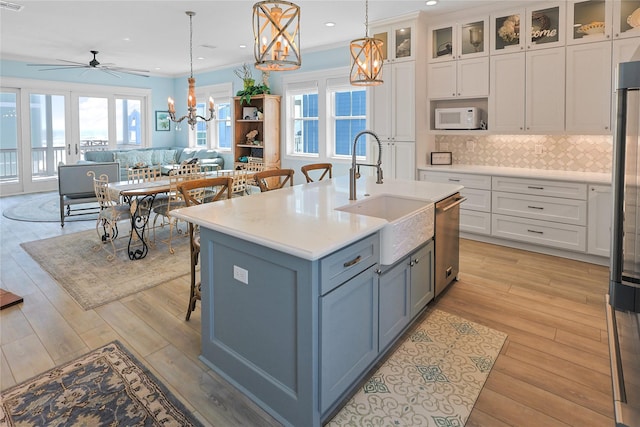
(599, 222)
(475, 212)
(589, 88)
(398, 41)
(543, 25)
(460, 40)
(527, 93)
(466, 78)
(398, 159)
(393, 103)
(622, 27)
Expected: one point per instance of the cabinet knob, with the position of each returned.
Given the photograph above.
(606, 127)
(453, 94)
(411, 264)
(521, 128)
(458, 94)
(415, 261)
(378, 271)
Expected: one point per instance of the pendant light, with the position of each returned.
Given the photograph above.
(276, 29)
(366, 58)
(191, 116)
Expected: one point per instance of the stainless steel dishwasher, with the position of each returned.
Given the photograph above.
(447, 241)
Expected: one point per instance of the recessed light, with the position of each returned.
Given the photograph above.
(200, 58)
(432, 2)
(126, 39)
(329, 24)
(243, 46)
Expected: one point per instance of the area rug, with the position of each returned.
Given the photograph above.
(106, 387)
(46, 208)
(432, 379)
(73, 261)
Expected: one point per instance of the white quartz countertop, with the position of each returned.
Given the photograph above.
(586, 177)
(302, 220)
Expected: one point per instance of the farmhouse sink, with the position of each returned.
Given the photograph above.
(409, 223)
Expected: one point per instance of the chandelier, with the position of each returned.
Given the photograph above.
(276, 30)
(366, 58)
(192, 116)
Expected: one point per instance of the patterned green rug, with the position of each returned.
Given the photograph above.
(107, 387)
(432, 379)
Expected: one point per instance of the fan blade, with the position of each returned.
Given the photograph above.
(73, 62)
(136, 70)
(131, 71)
(64, 67)
(106, 70)
(76, 64)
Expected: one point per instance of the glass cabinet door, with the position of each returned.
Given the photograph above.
(545, 27)
(397, 42)
(442, 44)
(402, 45)
(507, 32)
(626, 18)
(589, 21)
(472, 39)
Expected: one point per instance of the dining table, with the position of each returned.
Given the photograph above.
(140, 196)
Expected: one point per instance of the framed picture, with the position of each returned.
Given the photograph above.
(249, 113)
(162, 121)
(441, 158)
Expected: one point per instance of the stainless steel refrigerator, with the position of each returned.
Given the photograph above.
(623, 311)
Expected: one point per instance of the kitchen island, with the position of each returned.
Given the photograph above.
(296, 307)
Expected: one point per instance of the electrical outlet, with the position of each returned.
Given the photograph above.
(539, 149)
(470, 145)
(240, 274)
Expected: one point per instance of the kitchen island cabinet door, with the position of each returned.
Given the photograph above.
(348, 334)
(394, 288)
(422, 269)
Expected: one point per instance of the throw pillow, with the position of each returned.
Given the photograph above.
(126, 159)
(144, 157)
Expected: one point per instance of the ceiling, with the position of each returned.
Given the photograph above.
(154, 35)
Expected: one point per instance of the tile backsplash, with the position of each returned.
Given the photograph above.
(584, 153)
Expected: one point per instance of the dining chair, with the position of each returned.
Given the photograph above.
(173, 200)
(147, 174)
(322, 168)
(240, 178)
(197, 192)
(273, 179)
(111, 212)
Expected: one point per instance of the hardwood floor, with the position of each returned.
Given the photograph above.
(553, 369)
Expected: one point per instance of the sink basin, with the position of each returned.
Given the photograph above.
(409, 223)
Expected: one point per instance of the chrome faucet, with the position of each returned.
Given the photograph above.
(354, 171)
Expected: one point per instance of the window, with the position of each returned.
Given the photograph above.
(348, 118)
(128, 123)
(324, 113)
(48, 138)
(217, 132)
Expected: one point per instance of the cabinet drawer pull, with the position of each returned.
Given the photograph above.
(454, 180)
(535, 231)
(353, 261)
(535, 188)
(536, 207)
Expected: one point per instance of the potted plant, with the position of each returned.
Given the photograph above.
(249, 82)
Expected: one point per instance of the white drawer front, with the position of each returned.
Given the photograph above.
(475, 222)
(569, 190)
(482, 182)
(477, 200)
(564, 236)
(568, 211)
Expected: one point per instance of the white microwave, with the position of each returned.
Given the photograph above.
(458, 118)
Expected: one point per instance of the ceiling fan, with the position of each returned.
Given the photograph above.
(95, 65)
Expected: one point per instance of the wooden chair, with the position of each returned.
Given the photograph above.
(147, 174)
(240, 179)
(196, 192)
(324, 167)
(111, 212)
(273, 179)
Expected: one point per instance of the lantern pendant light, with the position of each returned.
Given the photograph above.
(276, 29)
(366, 58)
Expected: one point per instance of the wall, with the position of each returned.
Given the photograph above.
(559, 152)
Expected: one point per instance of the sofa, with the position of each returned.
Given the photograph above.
(76, 187)
(165, 157)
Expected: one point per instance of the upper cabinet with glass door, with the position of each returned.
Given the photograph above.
(398, 42)
(528, 29)
(463, 40)
(589, 21)
(626, 18)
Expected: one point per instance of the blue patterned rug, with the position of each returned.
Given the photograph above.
(107, 387)
(432, 379)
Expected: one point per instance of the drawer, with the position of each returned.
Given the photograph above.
(546, 233)
(481, 182)
(569, 190)
(568, 211)
(346, 263)
(475, 222)
(477, 200)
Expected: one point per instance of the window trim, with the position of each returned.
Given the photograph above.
(223, 92)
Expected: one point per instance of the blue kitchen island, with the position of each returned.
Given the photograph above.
(296, 306)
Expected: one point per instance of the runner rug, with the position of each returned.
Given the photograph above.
(106, 387)
(432, 379)
(79, 264)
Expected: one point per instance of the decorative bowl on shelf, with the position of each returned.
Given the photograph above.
(634, 18)
(594, 27)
